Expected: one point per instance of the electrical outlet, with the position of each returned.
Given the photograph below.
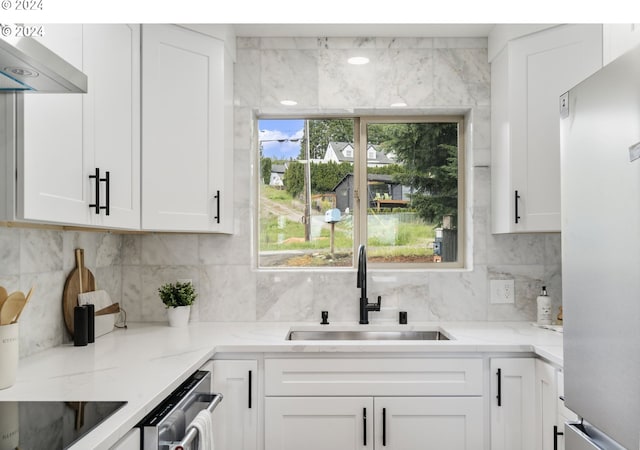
(502, 291)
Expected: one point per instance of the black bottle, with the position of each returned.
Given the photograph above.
(80, 326)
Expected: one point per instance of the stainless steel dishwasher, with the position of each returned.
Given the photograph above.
(168, 426)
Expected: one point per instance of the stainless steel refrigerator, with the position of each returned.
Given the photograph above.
(600, 160)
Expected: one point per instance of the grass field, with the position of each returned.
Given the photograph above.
(392, 236)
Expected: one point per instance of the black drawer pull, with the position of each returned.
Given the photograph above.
(250, 389)
(217, 197)
(499, 396)
(364, 426)
(384, 427)
(556, 433)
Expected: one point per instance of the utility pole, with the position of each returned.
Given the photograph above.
(307, 184)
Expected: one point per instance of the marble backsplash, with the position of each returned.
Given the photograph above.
(43, 259)
(430, 75)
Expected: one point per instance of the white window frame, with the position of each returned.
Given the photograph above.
(360, 161)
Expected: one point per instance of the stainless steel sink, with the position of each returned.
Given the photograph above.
(365, 335)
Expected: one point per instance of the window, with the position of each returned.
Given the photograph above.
(393, 184)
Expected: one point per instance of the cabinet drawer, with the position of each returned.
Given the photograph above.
(373, 376)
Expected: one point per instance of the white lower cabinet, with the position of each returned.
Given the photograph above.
(235, 420)
(513, 406)
(318, 423)
(394, 423)
(374, 403)
(546, 406)
(416, 423)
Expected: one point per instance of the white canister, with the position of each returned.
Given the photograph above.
(544, 307)
(8, 354)
(9, 426)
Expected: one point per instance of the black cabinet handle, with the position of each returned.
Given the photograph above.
(516, 198)
(108, 188)
(364, 426)
(250, 389)
(556, 433)
(107, 182)
(96, 205)
(217, 197)
(499, 396)
(384, 427)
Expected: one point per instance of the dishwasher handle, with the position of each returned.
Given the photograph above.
(192, 432)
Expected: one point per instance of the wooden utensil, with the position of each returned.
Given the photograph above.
(26, 300)
(3, 295)
(11, 308)
(79, 280)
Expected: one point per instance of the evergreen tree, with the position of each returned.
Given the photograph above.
(429, 155)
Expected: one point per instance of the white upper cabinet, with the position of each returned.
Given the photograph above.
(111, 113)
(527, 78)
(187, 134)
(62, 139)
(52, 165)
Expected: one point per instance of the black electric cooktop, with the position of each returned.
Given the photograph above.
(50, 425)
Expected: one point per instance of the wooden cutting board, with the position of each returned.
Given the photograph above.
(79, 280)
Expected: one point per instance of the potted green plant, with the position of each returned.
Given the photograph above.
(178, 298)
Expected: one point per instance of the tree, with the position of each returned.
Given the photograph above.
(321, 132)
(265, 169)
(324, 177)
(429, 154)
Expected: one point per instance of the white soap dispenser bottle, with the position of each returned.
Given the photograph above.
(544, 307)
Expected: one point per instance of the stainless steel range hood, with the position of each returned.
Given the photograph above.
(28, 66)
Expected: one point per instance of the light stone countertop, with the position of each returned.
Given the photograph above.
(146, 362)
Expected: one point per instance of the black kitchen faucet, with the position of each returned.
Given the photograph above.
(361, 283)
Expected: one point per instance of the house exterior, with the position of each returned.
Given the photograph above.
(343, 152)
(380, 188)
(277, 175)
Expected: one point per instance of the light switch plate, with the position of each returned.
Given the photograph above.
(502, 291)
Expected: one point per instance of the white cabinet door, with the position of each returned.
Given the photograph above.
(318, 423)
(528, 78)
(546, 405)
(512, 404)
(235, 419)
(51, 160)
(185, 141)
(416, 423)
(130, 441)
(112, 120)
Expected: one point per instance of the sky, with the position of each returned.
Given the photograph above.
(271, 130)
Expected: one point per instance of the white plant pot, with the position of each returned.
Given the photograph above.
(179, 316)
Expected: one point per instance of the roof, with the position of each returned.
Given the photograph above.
(338, 149)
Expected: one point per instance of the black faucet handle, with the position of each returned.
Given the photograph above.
(325, 317)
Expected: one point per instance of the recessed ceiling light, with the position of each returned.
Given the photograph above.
(358, 60)
(288, 102)
(398, 105)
